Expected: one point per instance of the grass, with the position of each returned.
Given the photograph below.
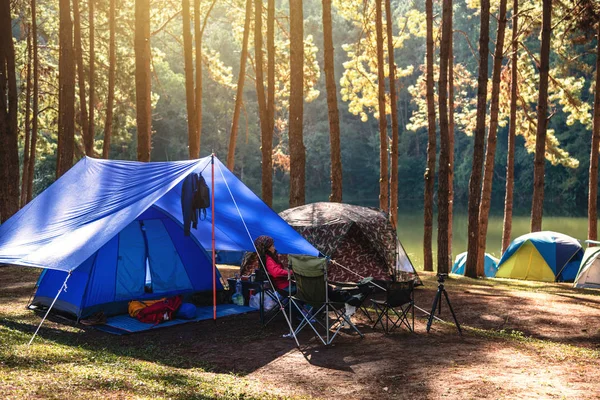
(60, 365)
(64, 369)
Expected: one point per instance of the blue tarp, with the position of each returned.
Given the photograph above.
(116, 227)
(96, 199)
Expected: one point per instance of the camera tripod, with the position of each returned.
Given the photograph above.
(437, 303)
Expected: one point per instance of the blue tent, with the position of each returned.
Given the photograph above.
(114, 228)
(490, 265)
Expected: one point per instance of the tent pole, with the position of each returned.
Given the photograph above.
(63, 286)
(212, 211)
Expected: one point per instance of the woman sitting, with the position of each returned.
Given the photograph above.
(267, 254)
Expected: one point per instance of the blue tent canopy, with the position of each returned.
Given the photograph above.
(120, 222)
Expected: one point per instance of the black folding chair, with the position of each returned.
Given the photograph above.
(326, 316)
(394, 310)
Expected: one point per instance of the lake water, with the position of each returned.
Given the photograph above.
(410, 233)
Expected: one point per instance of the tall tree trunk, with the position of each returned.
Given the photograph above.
(429, 175)
(475, 180)
(111, 81)
(9, 152)
(593, 182)
(450, 141)
(537, 203)
(89, 144)
(267, 159)
(199, 33)
(394, 106)
(240, 89)
(143, 78)
(27, 132)
(383, 137)
(332, 106)
(34, 111)
(189, 80)
(195, 146)
(78, 48)
(442, 244)
(66, 82)
(296, 141)
(265, 135)
(492, 139)
(510, 151)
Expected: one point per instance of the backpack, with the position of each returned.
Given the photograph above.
(201, 197)
(160, 311)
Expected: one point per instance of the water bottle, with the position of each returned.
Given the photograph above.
(238, 297)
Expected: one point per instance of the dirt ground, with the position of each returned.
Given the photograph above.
(520, 340)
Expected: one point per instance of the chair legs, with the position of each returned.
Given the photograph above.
(389, 318)
(324, 326)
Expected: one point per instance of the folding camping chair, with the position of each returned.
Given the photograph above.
(394, 310)
(326, 317)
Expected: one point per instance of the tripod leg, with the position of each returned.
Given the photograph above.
(440, 289)
(436, 301)
(452, 311)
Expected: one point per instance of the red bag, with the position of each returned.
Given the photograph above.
(160, 311)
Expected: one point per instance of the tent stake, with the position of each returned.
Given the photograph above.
(64, 286)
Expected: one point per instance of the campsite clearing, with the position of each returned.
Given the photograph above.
(522, 340)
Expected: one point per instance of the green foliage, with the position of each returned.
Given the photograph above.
(571, 96)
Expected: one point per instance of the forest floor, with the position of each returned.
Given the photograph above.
(520, 340)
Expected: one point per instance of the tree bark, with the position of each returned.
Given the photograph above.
(66, 82)
(537, 203)
(296, 141)
(27, 133)
(332, 106)
(394, 106)
(189, 80)
(143, 78)
(34, 110)
(9, 152)
(475, 180)
(383, 137)
(429, 175)
(450, 141)
(492, 139)
(199, 33)
(593, 182)
(442, 244)
(267, 137)
(510, 151)
(111, 81)
(240, 89)
(195, 145)
(78, 49)
(89, 143)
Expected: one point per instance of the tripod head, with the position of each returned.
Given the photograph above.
(441, 278)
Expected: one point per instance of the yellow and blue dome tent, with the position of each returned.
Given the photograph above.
(541, 256)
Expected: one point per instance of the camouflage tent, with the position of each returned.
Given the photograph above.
(360, 240)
